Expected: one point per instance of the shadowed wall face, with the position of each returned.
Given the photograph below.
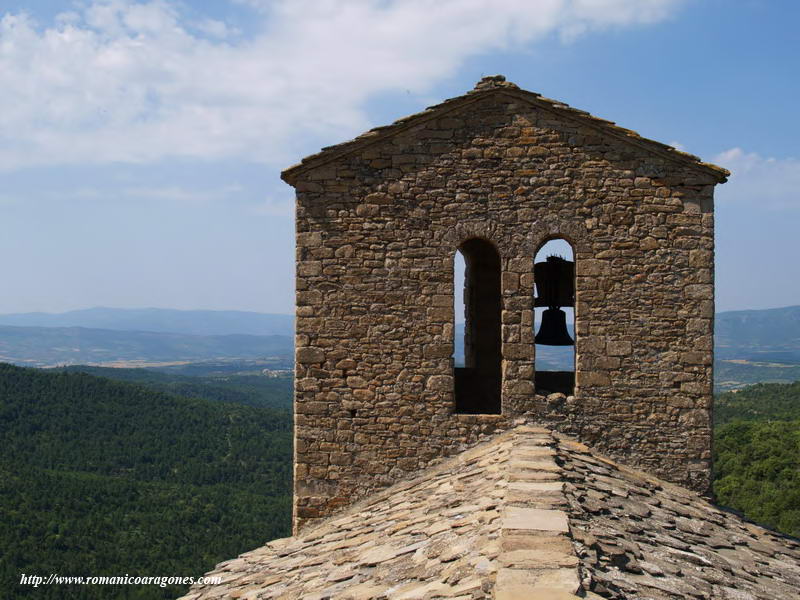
(496, 173)
(477, 385)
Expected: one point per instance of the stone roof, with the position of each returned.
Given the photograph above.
(527, 514)
(493, 85)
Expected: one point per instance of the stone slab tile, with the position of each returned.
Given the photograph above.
(535, 541)
(537, 559)
(514, 584)
(548, 594)
(558, 580)
(522, 518)
(528, 428)
(534, 450)
(533, 475)
(538, 464)
(524, 584)
(535, 487)
(551, 501)
(364, 591)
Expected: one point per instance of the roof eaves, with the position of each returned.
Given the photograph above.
(627, 135)
(377, 134)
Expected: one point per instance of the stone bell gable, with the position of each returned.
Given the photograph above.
(496, 173)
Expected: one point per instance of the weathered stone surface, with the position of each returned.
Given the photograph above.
(437, 534)
(515, 584)
(379, 220)
(443, 535)
(638, 537)
(535, 519)
(537, 559)
(309, 355)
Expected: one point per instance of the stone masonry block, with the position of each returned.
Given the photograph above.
(309, 355)
(619, 348)
(378, 224)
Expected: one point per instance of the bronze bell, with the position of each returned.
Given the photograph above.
(555, 282)
(553, 330)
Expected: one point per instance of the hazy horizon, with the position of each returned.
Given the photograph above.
(291, 314)
(143, 141)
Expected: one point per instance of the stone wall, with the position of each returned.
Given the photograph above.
(378, 224)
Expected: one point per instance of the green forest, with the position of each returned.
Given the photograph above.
(241, 386)
(757, 454)
(100, 477)
(131, 476)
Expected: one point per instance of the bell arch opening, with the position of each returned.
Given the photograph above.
(477, 380)
(554, 320)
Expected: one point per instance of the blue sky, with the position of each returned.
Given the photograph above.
(141, 142)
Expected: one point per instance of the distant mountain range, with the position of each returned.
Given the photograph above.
(148, 335)
(771, 335)
(753, 346)
(164, 320)
(47, 346)
(750, 345)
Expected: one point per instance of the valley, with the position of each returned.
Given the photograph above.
(174, 450)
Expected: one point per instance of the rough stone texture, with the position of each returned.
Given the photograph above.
(640, 537)
(379, 220)
(471, 527)
(441, 535)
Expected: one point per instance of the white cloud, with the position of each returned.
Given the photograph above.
(214, 28)
(119, 80)
(583, 15)
(772, 183)
(177, 193)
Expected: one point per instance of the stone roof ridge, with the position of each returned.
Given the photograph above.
(487, 523)
(525, 514)
(494, 81)
(438, 466)
(491, 85)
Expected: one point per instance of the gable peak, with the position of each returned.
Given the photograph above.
(494, 81)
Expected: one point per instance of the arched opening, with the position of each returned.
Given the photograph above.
(477, 382)
(554, 321)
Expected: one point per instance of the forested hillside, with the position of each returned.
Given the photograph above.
(757, 471)
(105, 478)
(757, 454)
(760, 402)
(254, 390)
(101, 477)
